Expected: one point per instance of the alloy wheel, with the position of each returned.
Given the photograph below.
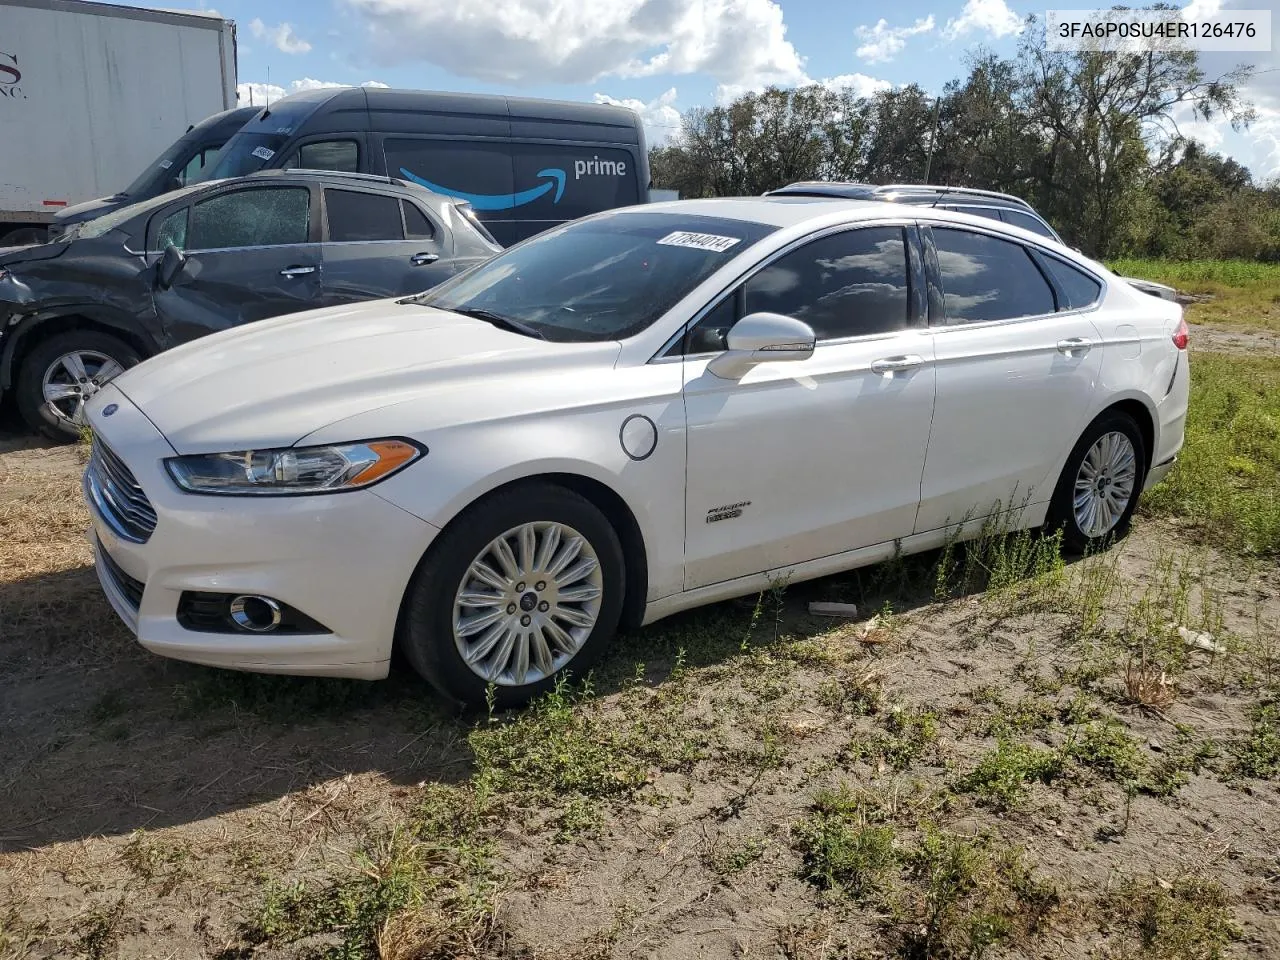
(72, 379)
(527, 603)
(1105, 484)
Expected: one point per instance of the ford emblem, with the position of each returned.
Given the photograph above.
(109, 409)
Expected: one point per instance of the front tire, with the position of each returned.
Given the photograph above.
(1098, 491)
(61, 373)
(517, 591)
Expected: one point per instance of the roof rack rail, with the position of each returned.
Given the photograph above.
(938, 188)
(336, 174)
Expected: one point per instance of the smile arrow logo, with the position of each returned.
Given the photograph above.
(502, 201)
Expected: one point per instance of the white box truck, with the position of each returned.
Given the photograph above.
(90, 93)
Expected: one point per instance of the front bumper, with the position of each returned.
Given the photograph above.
(343, 559)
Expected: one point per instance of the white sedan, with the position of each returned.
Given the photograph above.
(630, 415)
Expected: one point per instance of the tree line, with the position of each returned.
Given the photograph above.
(1090, 139)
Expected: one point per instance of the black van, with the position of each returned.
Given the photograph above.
(183, 162)
(523, 165)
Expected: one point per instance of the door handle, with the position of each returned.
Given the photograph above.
(296, 271)
(419, 259)
(1078, 345)
(894, 364)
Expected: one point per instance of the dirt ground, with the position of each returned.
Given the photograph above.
(1000, 755)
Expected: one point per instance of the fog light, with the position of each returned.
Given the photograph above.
(256, 614)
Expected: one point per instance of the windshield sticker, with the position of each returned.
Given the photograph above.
(699, 241)
(262, 153)
(166, 164)
(284, 131)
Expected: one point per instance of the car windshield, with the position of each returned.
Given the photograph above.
(604, 278)
(166, 166)
(245, 153)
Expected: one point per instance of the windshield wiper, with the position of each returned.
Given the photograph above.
(503, 323)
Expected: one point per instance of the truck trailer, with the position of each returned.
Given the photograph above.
(91, 93)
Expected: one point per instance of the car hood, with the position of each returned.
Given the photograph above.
(271, 383)
(89, 209)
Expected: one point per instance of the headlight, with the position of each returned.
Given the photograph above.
(293, 470)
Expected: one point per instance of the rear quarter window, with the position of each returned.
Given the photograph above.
(1078, 289)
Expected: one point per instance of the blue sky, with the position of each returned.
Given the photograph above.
(662, 56)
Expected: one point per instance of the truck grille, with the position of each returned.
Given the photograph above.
(131, 588)
(117, 497)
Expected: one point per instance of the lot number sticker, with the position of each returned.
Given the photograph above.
(699, 241)
(262, 153)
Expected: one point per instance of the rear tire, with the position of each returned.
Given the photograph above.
(60, 374)
(1098, 491)
(544, 606)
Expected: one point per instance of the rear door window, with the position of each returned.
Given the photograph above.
(356, 217)
(556, 182)
(986, 278)
(256, 217)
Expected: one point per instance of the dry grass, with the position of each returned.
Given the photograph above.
(1146, 685)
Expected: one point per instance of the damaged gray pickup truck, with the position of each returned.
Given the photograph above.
(142, 279)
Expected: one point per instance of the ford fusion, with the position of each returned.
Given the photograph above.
(629, 415)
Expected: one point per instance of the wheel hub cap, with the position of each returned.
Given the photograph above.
(1105, 484)
(527, 603)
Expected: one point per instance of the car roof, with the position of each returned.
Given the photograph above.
(784, 211)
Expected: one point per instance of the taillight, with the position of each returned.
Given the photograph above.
(1182, 335)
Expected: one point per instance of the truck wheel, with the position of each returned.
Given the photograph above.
(61, 373)
(23, 237)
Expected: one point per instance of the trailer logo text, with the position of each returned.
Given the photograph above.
(10, 77)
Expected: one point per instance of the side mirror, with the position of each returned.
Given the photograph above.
(762, 338)
(170, 268)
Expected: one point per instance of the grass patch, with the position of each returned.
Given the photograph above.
(1258, 755)
(427, 887)
(1106, 748)
(1002, 777)
(1188, 919)
(842, 850)
(964, 895)
(1246, 294)
(1227, 481)
(909, 733)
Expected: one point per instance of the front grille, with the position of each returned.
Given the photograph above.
(131, 588)
(116, 495)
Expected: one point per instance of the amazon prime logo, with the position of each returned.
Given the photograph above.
(554, 176)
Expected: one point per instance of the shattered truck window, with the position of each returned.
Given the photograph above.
(260, 217)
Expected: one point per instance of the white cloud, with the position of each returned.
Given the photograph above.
(738, 42)
(859, 84)
(882, 42)
(281, 35)
(660, 117)
(264, 93)
(984, 16)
